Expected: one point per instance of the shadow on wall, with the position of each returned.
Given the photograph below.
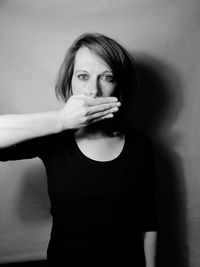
(155, 109)
(33, 202)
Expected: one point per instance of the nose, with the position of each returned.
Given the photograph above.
(93, 88)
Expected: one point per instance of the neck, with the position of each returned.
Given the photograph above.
(95, 130)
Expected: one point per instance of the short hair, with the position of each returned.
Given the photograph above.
(116, 57)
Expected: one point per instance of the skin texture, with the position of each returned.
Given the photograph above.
(91, 76)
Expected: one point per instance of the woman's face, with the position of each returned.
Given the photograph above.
(92, 76)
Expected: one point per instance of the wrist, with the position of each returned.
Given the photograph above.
(61, 126)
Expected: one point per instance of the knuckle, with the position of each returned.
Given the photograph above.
(109, 106)
(114, 109)
(100, 108)
(100, 101)
(87, 119)
(92, 116)
(84, 111)
(103, 107)
(83, 120)
(112, 105)
(103, 113)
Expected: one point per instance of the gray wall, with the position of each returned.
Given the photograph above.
(164, 37)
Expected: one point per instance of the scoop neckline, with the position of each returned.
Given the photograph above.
(98, 162)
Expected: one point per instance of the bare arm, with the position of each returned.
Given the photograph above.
(150, 248)
(77, 112)
(20, 127)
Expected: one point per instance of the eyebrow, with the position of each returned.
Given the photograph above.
(104, 72)
(107, 71)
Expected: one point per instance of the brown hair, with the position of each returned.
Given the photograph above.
(117, 58)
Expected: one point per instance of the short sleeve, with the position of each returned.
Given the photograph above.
(28, 149)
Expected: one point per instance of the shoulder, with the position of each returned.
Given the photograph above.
(57, 138)
(36, 147)
(139, 143)
(55, 141)
(138, 136)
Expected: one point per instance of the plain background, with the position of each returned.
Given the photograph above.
(163, 35)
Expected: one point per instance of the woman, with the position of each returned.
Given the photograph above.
(101, 178)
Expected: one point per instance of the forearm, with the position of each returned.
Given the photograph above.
(150, 248)
(78, 112)
(21, 127)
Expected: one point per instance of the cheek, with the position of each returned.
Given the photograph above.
(108, 89)
(75, 86)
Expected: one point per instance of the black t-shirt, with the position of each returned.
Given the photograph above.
(93, 200)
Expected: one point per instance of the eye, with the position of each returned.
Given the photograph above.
(107, 78)
(83, 77)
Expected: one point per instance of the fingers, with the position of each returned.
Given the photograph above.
(103, 107)
(99, 105)
(103, 113)
(87, 110)
(88, 101)
(108, 116)
(100, 100)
